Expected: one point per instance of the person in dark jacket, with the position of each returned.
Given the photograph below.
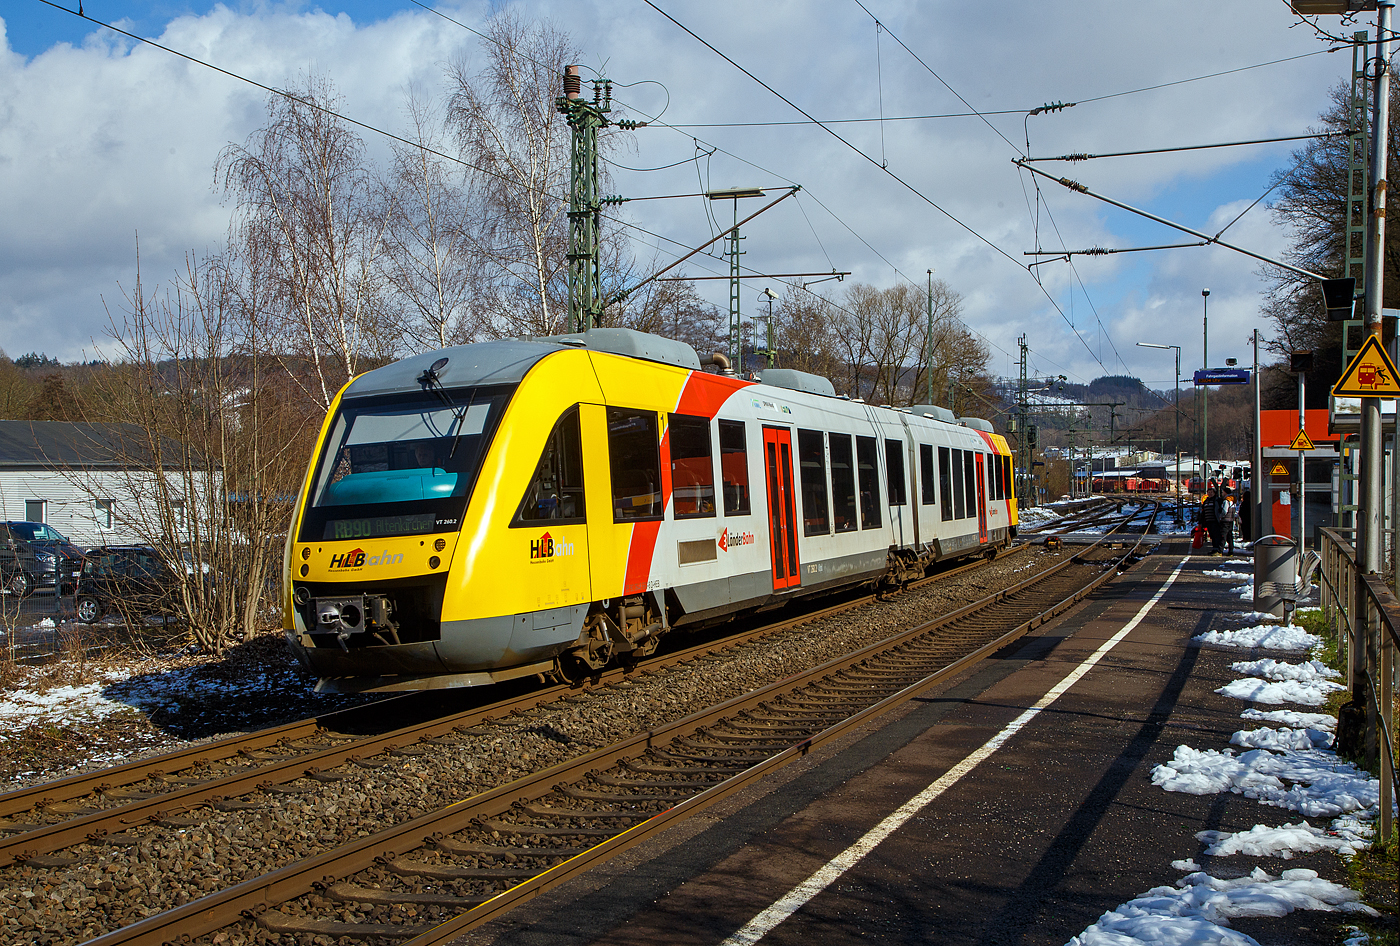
(1212, 516)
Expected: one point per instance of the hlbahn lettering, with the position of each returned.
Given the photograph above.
(546, 548)
(357, 559)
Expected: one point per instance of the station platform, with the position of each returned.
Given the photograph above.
(1027, 842)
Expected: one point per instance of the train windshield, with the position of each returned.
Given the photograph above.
(402, 464)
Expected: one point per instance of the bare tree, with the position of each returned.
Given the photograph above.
(308, 210)
(211, 450)
(430, 263)
(883, 341)
(506, 125)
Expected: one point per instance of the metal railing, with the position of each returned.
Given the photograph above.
(1370, 645)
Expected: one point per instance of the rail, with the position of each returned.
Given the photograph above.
(1368, 628)
(897, 669)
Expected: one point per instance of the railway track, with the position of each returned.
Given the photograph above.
(44, 819)
(429, 878)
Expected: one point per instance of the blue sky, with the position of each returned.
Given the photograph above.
(105, 143)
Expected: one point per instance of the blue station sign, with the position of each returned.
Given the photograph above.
(1222, 376)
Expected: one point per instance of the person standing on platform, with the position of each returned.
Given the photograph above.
(1210, 516)
(1229, 514)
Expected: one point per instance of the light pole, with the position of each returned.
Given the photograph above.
(1205, 390)
(1176, 477)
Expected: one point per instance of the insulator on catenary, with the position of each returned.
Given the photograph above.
(573, 84)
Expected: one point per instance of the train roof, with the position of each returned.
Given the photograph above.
(508, 361)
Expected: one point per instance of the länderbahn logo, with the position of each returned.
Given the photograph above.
(546, 548)
(728, 540)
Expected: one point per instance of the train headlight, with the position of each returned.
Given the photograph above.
(439, 545)
(434, 562)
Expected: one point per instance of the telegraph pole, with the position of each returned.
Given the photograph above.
(1364, 645)
(585, 272)
(930, 337)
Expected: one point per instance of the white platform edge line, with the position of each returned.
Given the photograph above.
(795, 898)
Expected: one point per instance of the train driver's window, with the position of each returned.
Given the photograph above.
(959, 497)
(928, 483)
(945, 481)
(692, 467)
(734, 467)
(555, 493)
(998, 481)
(894, 471)
(635, 455)
(1006, 475)
(867, 461)
(811, 458)
(843, 483)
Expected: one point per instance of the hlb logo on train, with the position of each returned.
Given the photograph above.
(727, 541)
(357, 559)
(546, 548)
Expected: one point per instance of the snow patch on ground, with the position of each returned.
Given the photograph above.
(1267, 636)
(1292, 718)
(1281, 739)
(1224, 573)
(1307, 683)
(1286, 768)
(1312, 782)
(1264, 841)
(1198, 909)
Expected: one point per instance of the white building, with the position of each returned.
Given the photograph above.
(79, 478)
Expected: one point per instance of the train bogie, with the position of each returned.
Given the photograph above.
(547, 506)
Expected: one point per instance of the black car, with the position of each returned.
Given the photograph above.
(131, 579)
(36, 555)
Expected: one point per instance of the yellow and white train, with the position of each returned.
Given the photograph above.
(544, 506)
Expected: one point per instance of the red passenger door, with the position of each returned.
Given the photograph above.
(980, 459)
(782, 510)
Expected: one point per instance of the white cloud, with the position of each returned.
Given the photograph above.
(104, 141)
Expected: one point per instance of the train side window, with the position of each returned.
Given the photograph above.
(1006, 475)
(945, 480)
(692, 467)
(867, 463)
(894, 472)
(959, 496)
(843, 483)
(734, 467)
(928, 485)
(811, 459)
(999, 474)
(970, 482)
(635, 455)
(555, 493)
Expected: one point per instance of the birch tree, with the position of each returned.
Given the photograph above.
(309, 211)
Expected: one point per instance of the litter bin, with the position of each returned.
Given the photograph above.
(1275, 568)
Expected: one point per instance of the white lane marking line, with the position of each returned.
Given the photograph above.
(795, 898)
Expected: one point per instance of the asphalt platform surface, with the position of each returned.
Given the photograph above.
(1057, 826)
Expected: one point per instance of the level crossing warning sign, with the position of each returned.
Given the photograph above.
(1302, 442)
(1370, 374)
(1279, 470)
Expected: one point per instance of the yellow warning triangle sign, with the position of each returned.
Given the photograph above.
(1302, 442)
(1370, 374)
(1279, 470)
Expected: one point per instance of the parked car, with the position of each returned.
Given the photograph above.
(35, 555)
(130, 579)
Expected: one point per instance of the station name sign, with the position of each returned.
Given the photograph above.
(1221, 376)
